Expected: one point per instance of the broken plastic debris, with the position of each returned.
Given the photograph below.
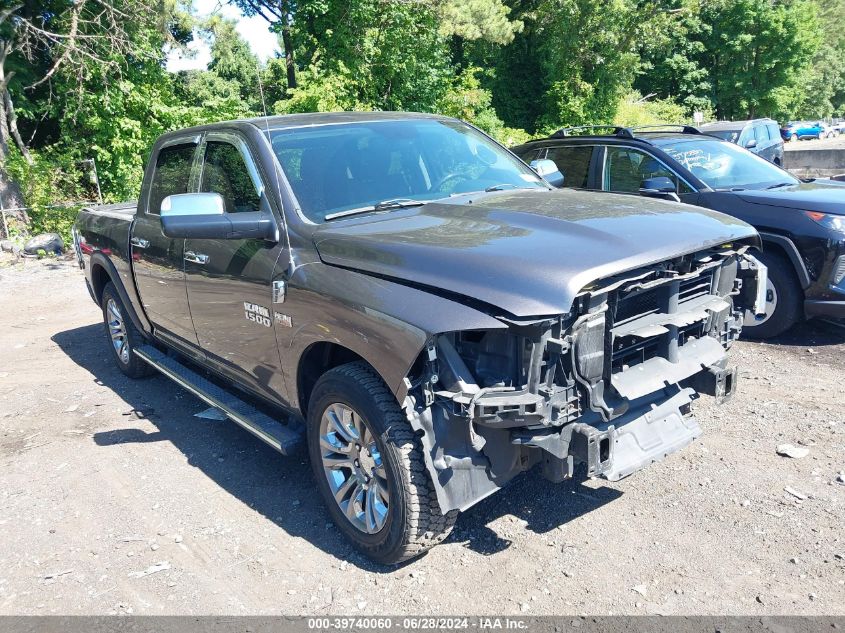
(795, 493)
(211, 413)
(152, 569)
(796, 452)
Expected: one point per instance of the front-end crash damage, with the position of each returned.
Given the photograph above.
(608, 385)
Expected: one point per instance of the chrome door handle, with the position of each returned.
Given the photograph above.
(196, 258)
(139, 242)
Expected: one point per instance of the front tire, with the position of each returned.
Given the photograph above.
(369, 467)
(784, 300)
(122, 335)
(793, 138)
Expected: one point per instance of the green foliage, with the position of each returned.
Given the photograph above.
(478, 19)
(633, 110)
(511, 67)
(52, 186)
(747, 58)
(388, 55)
(467, 100)
(319, 91)
(232, 60)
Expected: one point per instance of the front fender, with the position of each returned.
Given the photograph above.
(386, 323)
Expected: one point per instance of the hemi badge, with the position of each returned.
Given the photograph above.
(283, 319)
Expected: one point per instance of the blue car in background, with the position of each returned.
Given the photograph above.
(799, 130)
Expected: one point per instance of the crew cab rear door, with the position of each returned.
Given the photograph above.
(157, 261)
(230, 280)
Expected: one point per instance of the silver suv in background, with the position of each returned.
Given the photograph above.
(760, 136)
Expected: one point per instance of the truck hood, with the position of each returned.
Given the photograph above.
(826, 196)
(527, 252)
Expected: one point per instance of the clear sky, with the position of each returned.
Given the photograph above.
(254, 30)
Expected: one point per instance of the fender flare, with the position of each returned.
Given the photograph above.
(792, 253)
(99, 259)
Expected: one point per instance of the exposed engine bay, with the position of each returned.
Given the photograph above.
(608, 385)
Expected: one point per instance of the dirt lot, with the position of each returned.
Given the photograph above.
(114, 498)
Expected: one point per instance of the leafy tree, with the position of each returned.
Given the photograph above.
(824, 88)
(754, 47)
(746, 57)
(231, 57)
(279, 14)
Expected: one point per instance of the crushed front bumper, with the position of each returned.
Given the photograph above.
(637, 439)
(650, 430)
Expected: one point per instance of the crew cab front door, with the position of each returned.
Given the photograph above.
(229, 280)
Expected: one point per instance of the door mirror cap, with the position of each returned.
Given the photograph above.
(192, 204)
(660, 187)
(547, 169)
(751, 144)
(658, 184)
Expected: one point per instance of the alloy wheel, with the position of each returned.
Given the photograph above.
(353, 466)
(117, 331)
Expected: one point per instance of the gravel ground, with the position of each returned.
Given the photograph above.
(114, 498)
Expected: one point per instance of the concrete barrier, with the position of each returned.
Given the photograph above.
(815, 163)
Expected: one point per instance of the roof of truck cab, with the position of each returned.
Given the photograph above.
(304, 120)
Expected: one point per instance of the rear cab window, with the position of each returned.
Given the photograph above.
(172, 174)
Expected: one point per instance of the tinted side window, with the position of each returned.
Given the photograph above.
(760, 133)
(574, 163)
(774, 131)
(225, 172)
(172, 174)
(530, 154)
(625, 169)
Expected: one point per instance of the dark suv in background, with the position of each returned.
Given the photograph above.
(802, 222)
(759, 136)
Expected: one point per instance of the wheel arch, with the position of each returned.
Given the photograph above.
(773, 242)
(318, 358)
(103, 271)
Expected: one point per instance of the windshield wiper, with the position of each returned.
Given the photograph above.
(490, 189)
(503, 186)
(384, 205)
(781, 184)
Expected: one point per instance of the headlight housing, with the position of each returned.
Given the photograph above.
(827, 220)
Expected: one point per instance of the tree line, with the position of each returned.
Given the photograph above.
(86, 79)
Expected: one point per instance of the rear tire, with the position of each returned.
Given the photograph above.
(123, 337)
(372, 446)
(793, 138)
(788, 299)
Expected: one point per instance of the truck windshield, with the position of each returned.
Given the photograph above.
(725, 166)
(338, 167)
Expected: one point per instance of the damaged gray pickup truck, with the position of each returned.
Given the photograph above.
(419, 308)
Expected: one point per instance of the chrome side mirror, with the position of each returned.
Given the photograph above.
(183, 204)
(547, 169)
